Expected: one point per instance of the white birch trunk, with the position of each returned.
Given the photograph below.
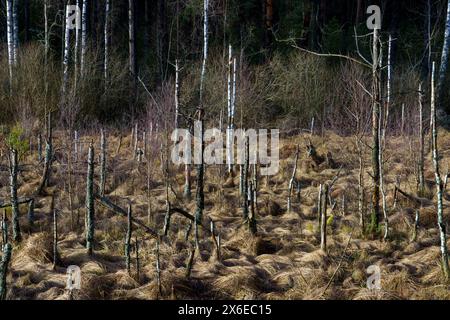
(10, 38)
(205, 46)
(107, 40)
(15, 31)
(435, 153)
(177, 92)
(229, 105)
(421, 145)
(291, 181)
(66, 52)
(84, 17)
(388, 93)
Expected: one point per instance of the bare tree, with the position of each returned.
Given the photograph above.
(205, 46)
(10, 38)
(6, 257)
(90, 201)
(435, 154)
(14, 200)
(107, 40)
(421, 161)
(375, 215)
(84, 21)
(132, 53)
(128, 241)
(15, 30)
(444, 61)
(66, 52)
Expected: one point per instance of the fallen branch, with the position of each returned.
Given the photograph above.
(410, 197)
(187, 215)
(115, 208)
(19, 201)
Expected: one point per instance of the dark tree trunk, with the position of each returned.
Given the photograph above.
(426, 62)
(26, 8)
(161, 36)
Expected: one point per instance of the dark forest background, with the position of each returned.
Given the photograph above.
(277, 83)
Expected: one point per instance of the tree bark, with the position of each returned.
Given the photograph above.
(90, 202)
(439, 191)
(16, 31)
(444, 65)
(421, 161)
(84, 22)
(102, 163)
(10, 39)
(375, 216)
(14, 199)
(66, 54)
(291, 181)
(107, 31)
(6, 257)
(128, 241)
(132, 53)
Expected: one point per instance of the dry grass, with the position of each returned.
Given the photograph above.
(283, 261)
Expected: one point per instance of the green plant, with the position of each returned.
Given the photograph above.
(17, 140)
(330, 220)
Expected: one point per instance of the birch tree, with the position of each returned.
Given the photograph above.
(231, 98)
(375, 216)
(77, 44)
(10, 38)
(15, 31)
(66, 52)
(89, 232)
(444, 60)
(107, 40)
(439, 185)
(205, 46)
(200, 196)
(132, 52)
(14, 199)
(421, 178)
(84, 20)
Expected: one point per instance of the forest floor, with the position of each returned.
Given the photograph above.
(284, 259)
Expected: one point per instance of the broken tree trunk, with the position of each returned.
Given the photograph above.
(291, 181)
(245, 196)
(323, 220)
(215, 239)
(30, 213)
(55, 240)
(90, 201)
(45, 180)
(39, 147)
(14, 199)
(416, 226)
(102, 163)
(190, 262)
(252, 216)
(4, 230)
(128, 242)
(319, 204)
(6, 257)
